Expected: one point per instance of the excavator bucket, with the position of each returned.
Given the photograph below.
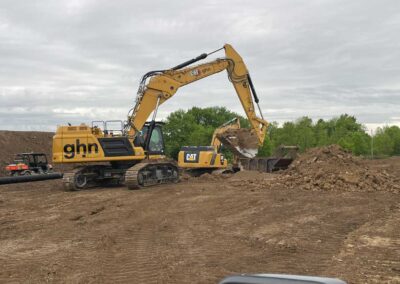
(242, 142)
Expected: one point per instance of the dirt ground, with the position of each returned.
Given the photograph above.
(331, 214)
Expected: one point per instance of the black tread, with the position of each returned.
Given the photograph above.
(131, 175)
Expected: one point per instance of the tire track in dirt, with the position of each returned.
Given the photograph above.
(131, 250)
(91, 212)
(379, 237)
(136, 259)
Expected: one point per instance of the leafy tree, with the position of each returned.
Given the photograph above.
(304, 133)
(384, 143)
(284, 135)
(322, 131)
(360, 143)
(266, 149)
(196, 126)
(394, 133)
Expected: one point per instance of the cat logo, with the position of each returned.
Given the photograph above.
(190, 157)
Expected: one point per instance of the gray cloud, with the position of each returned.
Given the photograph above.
(81, 60)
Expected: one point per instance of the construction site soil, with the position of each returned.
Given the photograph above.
(330, 214)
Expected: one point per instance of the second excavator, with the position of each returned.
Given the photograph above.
(197, 160)
(135, 154)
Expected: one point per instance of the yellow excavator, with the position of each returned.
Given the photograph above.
(197, 160)
(134, 154)
(242, 143)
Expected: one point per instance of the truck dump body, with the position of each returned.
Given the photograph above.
(268, 164)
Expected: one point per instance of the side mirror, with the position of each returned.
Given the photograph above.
(278, 279)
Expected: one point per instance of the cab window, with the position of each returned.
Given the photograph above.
(41, 159)
(156, 141)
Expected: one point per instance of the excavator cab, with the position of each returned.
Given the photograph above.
(156, 143)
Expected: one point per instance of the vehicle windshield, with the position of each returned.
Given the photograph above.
(41, 159)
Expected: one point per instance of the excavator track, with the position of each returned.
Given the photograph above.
(69, 180)
(149, 173)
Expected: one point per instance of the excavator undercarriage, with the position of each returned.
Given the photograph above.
(143, 174)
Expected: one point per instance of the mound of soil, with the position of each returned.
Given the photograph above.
(332, 168)
(13, 142)
(250, 175)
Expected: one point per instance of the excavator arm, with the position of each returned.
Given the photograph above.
(163, 86)
(156, 87)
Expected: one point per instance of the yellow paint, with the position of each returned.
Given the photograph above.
(204, 161)
(69, 135)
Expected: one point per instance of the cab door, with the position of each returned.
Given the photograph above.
(156, 145)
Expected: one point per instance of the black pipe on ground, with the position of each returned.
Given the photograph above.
(17, 179)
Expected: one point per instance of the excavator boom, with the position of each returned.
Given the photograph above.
(162, 85)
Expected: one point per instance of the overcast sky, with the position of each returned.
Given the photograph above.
(81, 60)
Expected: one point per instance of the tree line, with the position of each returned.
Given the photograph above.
(196, 126)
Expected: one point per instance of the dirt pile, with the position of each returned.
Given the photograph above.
(243, 142)
(13, 142)
(332, 168)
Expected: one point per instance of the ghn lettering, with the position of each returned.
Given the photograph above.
(70, 150)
